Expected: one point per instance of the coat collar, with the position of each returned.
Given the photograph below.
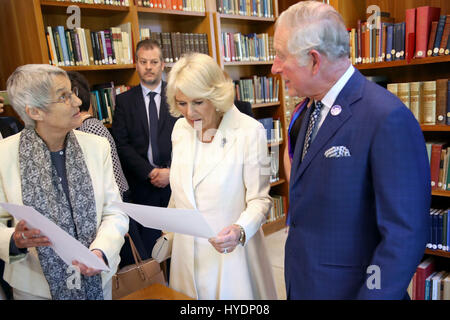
(350, 94)
(223, 142)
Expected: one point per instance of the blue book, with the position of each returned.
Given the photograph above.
(439, 32)
(428, 286)
(440, 222)
(430, 233)
(444, 230)
(389, 42)
(448, 231)
(268, 125)
(448, 103)
(434, 229)
(62, 39)
(99, 108)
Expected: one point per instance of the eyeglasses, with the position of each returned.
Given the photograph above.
(67, 97)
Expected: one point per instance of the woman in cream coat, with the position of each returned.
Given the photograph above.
(32, 168)
(219, 167)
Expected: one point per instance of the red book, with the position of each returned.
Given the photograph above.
(424, 269)
(435, 161)
(432, 37)
(410, 34)
(424, 17)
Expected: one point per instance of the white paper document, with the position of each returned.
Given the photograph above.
(183, 221)
(65, 246)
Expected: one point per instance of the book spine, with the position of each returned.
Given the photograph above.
(69, 47)
(441, 100)
(445, 35)
(439, 33)
(62, 39)
(434, 165)
(415, 88)
(429, 102)
(425, 15)
(448, 106)
(410, 33)
(389, 42)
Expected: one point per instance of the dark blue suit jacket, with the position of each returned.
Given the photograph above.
(371, 208)
(131, 133)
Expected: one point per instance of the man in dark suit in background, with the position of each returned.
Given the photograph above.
(360, 179)
(142, 128)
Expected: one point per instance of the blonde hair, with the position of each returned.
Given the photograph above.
(197, 75)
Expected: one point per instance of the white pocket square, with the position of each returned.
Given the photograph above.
(337, 152)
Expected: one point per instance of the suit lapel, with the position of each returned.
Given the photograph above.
(5, 129)
(141, 112)
(223, 142)
(300, 141)
(351, 93)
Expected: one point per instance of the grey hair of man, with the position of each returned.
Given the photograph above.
(32, 85)
(315, 26)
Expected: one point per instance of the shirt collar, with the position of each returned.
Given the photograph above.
(146, 90)
(331, 95)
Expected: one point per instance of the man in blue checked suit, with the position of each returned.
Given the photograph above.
(360, 180)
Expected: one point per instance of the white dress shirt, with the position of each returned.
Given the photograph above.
(330, 97)
(145, 92)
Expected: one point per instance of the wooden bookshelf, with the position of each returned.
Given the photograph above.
(171, 12)
(439, 253)
(435, 128)
(277, 183)
(60, 6)
(265, 105)
(403, 63)
(441, 193)
(271, 227)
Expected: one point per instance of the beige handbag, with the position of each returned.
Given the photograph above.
(137, 276)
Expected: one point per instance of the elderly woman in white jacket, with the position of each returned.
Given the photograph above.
(67, 176)
(219, 167)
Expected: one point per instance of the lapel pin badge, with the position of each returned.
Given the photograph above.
(224, 141)
(335, 110)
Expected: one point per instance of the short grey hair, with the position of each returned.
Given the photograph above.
(32, 85)
(197, 75)
(315, 26)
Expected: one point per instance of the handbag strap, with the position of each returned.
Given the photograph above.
(136, 255)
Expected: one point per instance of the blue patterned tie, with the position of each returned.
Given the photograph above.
(153, 122)
(313, 121)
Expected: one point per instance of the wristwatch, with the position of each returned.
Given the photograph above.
(242, 235)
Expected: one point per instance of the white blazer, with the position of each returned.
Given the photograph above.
(24, 271)
(231, 188)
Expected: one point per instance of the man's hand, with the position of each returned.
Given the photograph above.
(159, 177)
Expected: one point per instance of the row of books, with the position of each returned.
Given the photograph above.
(103, 99)
(256, 8)
(438, 155)
(175, 44)
(279, 208)
(439, 236)
(124, 3)
(429, 284)
(247, 47)
(424, 33)
(182, 5)
(257, 89)
(427, 100)
(273, 129)
(83, 47)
